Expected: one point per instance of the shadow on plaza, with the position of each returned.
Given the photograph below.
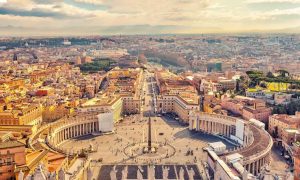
(172, 122)
(86, 137)
(173, 172)
(208, 138)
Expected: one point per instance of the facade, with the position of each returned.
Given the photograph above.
(176, 95)
(227, 84)
(297, 161)
(12, 154)
(257, 110)
(22, 115)
(106, 122)
(282, 98)
(248, 108)
(104, 105)
(255, 93)
(55, 112)
(289, 136)
(279, 122)
(233, 105)
(178, 105)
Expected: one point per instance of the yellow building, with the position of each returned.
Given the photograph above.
(22, 115)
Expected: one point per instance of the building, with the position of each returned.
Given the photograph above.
(12, 154)
(279, 122)
(248, 108)
(255, 93)
(41, 164)
(23, 114)
(257, 110)
(178, 104)
(282, 98)
(121, 97)
(112, 104)
(297, 160)
(86, 59)
(176, 95)
(289, 136)
(224, 85)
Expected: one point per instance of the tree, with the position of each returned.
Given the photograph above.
(263, 85)
(237, 85)
(270, 75)
(283, 73)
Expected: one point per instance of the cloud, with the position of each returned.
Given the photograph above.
(271, 1)
(43, 8)
(37, 12)
(156, 6)
(146, 16)
(95, 2)
(275, 14)
(47, 1)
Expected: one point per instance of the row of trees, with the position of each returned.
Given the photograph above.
(290, 109)
(257, 77)
(97, 65)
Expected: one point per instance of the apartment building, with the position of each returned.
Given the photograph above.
(22, 114)
(279, 122)
(12, 154)
(177, 95)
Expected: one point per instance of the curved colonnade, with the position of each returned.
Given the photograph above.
(256, 143)
(71, 127)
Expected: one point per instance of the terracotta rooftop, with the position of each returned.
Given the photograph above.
(11, 144)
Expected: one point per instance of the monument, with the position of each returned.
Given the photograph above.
(148, 151)
(149, 148)
(149, 133)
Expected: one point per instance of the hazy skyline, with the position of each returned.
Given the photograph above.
(96, 17)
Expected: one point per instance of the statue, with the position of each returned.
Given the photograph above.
(139, 173)
(165, 173)
(125, 173)
(21, 175)
(113, 173)
(151, 172)
(191, 174)
(181, 174)
(89, 174)
(52, 176)
(39, 173)
(61, 174)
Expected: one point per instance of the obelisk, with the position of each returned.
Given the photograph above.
(149, 135)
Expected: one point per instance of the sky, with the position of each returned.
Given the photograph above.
(111, 17)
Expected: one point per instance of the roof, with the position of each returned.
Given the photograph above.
(234, 157)
(10, 144)
(216, 145)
